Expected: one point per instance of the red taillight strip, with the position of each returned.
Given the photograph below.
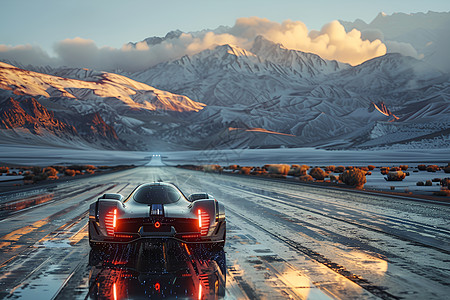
(203, 222)
(110, 222)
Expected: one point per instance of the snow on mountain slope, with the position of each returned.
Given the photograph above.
(298, 93)
(128, 92)
(306, 100)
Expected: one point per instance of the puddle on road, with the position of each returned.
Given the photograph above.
(43, 286)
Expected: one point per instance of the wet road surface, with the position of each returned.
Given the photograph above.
(284, 241)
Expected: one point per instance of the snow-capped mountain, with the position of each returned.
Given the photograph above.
(268, 96)
(80, 101)
(320, 102)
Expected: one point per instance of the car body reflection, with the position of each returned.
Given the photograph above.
(163, 270)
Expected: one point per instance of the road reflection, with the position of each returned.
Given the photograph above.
(165, 269)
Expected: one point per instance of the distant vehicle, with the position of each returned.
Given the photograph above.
(157, 211)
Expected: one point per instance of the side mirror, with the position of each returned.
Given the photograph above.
(198, 196)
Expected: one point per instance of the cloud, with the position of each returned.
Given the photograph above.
(331, 42)
(26, 55)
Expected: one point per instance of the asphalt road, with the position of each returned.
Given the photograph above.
(284, 241)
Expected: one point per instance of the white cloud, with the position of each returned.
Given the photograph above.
(331, 42)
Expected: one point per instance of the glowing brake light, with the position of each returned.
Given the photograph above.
(203, 222)
(200, 292)
(111, 222)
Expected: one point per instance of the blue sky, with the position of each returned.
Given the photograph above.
(114, 23)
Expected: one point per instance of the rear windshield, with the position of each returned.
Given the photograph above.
(157, 194)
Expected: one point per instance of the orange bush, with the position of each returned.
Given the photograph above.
(354, 177)
(317, 173)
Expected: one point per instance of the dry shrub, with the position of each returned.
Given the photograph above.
(349, 167)
(245, 170)
(339, 169)
(212, 168)
(395, 176)
(422, 167)
(4, 170)
(445, 182)
(365, 169)
(436, 180)
(433, 168)
(395, 169)
(90, 171)
(371, 167)
(447, 169)
(354, 177)
(420, 183)
(278, 169)
(384, 170)
(51, 173)
(306, 178)
(69, 172)
(232, 167)
(297, 170)
(333, 178)
(318, 173)
(368, 173)
(330, 168)
(258, 171)
(428, 183)
(404, 167)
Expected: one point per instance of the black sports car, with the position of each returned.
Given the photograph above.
(157, 211)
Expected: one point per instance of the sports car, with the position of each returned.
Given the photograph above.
(157, 210)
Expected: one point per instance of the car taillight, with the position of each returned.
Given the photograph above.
(110, 222)
(203, 222)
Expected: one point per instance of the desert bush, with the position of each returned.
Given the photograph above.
(371, 167)
(349, 167)
(433, 168)
(90, 171)
(60, 169)
(278, 169)
(330, 168)
(90, 167)
(365, 169)
(333, 178)
(368, 173)
(318, 173)
(395, 169)
(233, 167)
(212, 168)
(428, 183)
(258, 171)
(384, 170)
(245, 170)
(395, 176)
(404, 167)
(339, 169)
(298, 170)
(445, 182)
(422, 167)
(420, 183)
(51, 173)
(447, 169)
(354, 177)
(69, 172)
(436, 180)
(4, 170)
(306, 178)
